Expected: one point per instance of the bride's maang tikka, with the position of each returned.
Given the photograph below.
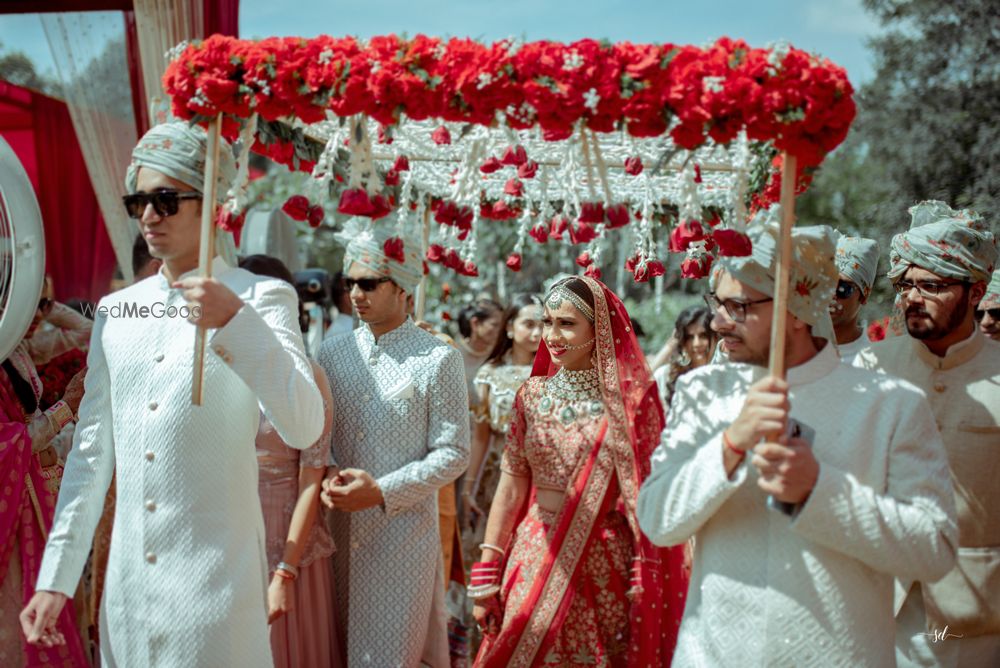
(560, 293)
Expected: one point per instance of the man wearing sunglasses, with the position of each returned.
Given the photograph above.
(401, 433)
(807, 495)
(988, 311)
(940, 268)
(857, 262)
(186, 578)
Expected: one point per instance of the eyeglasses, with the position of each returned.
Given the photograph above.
(845, 289)
(993, 312)
(165, 202)
(366, 284)
(925, 288)
(735, 309)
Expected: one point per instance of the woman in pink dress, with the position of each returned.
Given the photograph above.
(301, 591)
(566, 577)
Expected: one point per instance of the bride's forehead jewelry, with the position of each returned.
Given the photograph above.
(560, 293)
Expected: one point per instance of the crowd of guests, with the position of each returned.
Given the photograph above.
(589, 507)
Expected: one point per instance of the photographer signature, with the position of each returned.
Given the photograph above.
(938, 636)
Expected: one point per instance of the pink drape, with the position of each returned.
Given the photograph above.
(78, 251)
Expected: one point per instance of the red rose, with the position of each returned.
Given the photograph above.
(463, 217)
(491, 165)
(502, 211)
(225, 220)
(692, 268)
(441, 136)
(316, 216)
(684, 235)
(582, 233)
(631, 263)
(381, 207)
(392, 178)
(655, 268)
(877, 330)
(445, 212)
(593, 272)
(539, 233)
(514, 262)
(515, 156)
(514, 187)
(463, 235)
(445, 316)
(617, 215)
(393, 249)
(384, 135)
(558, 226)
(633, 166)
(434, 253)
(591, 212)
(469, 269)
(427, 269)
(355, 202)
(641, 273)
(402, 164)
(697, 173)
(528, 170)
(451, 259)
(732, 243)
(296, 207)
(584, 259)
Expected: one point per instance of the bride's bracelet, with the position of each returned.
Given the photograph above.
(484, 579)
(495, 548)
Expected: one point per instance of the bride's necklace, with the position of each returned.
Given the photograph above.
(576, 393)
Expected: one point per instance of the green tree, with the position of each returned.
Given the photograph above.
(19, 69)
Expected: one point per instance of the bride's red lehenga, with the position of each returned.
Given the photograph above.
(583, 586)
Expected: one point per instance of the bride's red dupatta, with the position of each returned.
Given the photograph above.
(607, 478)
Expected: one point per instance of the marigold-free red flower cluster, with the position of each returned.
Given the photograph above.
(801, 103)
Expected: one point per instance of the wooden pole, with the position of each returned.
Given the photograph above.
(421, 306)
(783, 266)
(206, 250)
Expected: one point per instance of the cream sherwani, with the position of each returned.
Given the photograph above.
(849, 351)
(814, 589)
(187, 576)
(964, 392)
(401, 412)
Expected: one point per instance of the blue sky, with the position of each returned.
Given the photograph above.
(836, 29)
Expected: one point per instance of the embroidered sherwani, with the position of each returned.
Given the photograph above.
(963, 388)
(814, 588)
(401, 412)
(186, 576)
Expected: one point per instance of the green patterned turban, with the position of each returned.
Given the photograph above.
(178, 150)
(992, 297)
(857, 259)
(813, 274)
(378, 246)
(949, 243)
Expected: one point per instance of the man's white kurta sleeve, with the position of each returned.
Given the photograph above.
(688, 481)
(262, 344)
(910, 529)
(447, 441)
(89, 468)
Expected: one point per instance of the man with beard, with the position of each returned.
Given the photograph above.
(799, 538)
(940, 268)
(988, 312)
(857, 262)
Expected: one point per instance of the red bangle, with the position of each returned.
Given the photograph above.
(729, 445)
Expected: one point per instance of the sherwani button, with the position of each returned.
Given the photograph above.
(150, 505)
(360, 435)
(159, 358)
(150, 557)
(939, 387)
(149, 455)
(373, 361)
(153, 405)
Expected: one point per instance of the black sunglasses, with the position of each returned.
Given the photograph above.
(165, 202)
(845, 289)
(994, 313)
(366, 284)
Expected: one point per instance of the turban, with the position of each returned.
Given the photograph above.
(380, 247)
(178, 150)
(992, 297)
(951, 244)
(857, 259)
(814, 276)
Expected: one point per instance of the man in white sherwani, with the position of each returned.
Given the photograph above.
(940, 268)
(797, 538)
(401, 432)
(186, 575)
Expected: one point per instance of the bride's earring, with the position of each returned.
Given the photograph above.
(593, 355)
(684, 359)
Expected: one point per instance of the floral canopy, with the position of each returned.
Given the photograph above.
(569, 141)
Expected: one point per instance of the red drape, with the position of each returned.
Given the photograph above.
(78, 251)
